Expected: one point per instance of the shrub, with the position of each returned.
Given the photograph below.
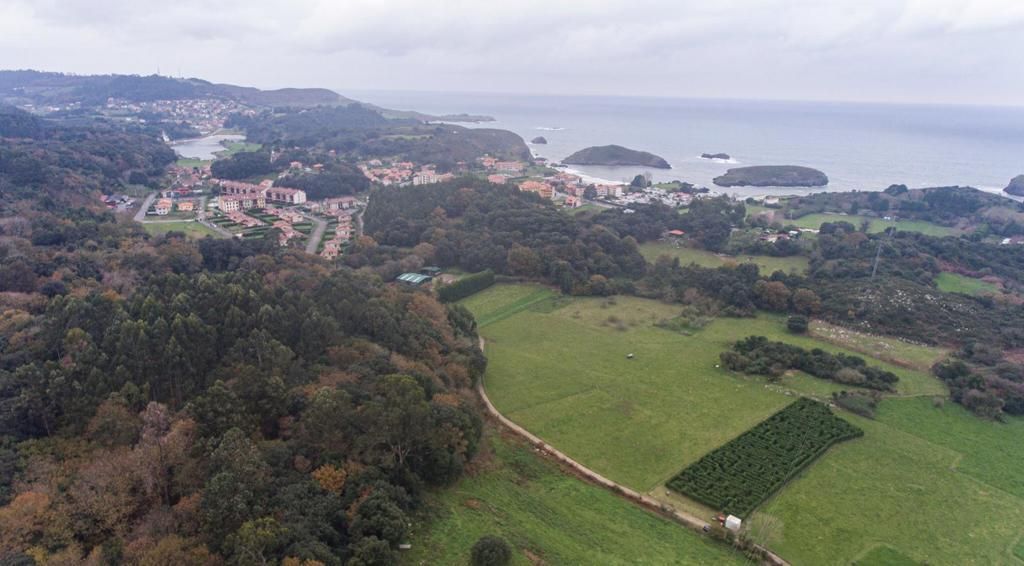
(863, 404)
(490, 550)
(797, 324)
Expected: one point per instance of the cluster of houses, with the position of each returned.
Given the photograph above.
(651, 195)
(239, 217)
(541, 188)
(513, 168)
(340, 208)
(397, 173)
(118, 202)
(402, 173)
(235, 195)
(165, 205)
(205, 114)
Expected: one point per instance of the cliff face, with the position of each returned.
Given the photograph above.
(1016, 186)
(616, 155)
(772, 176)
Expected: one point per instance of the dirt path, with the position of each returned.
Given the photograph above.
(686, 519)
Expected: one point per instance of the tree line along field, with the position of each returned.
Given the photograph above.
(549, 517)
(748, 469)
(558, 367)
(875, 224)
(767, 264)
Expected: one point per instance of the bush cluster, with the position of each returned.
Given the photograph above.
(760, 356)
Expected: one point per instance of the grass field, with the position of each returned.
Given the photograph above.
(956, 283)
(191, 229)
(931, 484)
(563, 374)
(232, 148)
(547, 515)
(559, 368)
(883, 348)
(583, 209)
(189, 163)
(876, 224)
(767, 264)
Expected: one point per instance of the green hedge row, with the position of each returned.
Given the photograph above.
(740, 475)
(466, 286)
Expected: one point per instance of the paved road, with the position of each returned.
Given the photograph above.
(687, 519)
(358, 218)
(140, 216)
(316, 235)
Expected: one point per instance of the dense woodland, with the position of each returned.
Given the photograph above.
(362, 132)
(165, 401)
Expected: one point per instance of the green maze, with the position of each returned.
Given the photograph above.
(740, 475)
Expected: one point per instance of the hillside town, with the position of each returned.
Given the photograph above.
(249, 209)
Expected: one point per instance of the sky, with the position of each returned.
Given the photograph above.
(919, 51)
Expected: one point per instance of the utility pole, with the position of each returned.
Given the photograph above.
(878, 253)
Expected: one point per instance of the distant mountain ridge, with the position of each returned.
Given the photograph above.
(23, 87)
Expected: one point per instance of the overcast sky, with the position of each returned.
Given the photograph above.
(961, 51)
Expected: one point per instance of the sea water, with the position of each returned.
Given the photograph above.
(859, 146)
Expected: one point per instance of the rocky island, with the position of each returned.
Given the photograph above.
(539, 140)
(714, 156)
(616, 155)
(772, 176)
(1016, 186)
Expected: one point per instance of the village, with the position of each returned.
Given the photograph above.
(249, 210)
(255, 209)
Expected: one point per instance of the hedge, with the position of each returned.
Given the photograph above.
(740, 475)
(466, 286)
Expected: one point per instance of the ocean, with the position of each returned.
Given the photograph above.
(859, 146)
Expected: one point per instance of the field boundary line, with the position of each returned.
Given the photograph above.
(682, 517)
(515, 308)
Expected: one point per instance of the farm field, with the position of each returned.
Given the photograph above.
(637, 421)
(547, 515)
(956, 283)
(703, 258)
(559, 368)
(876, 224)
(191, 229)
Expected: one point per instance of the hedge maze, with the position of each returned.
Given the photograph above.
(740, 475)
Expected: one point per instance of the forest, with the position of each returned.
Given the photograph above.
(169, 401)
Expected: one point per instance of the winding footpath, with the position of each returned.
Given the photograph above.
(686, 519)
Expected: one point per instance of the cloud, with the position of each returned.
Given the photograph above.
(929, 50)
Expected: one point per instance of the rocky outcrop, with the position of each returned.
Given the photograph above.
(616, 155)
(1016, 186)
(714, 156)
(540, 140)
(772, 176)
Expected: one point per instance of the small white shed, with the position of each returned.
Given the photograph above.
(733, 523)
